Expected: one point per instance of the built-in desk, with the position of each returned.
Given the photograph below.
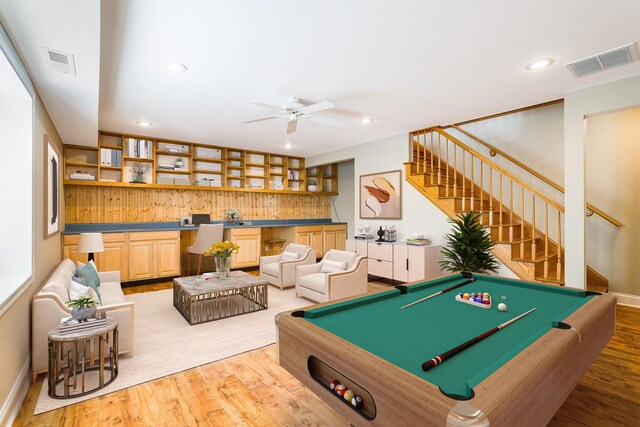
(143, 251)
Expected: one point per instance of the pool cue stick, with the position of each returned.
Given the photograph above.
(447, 355)
(466, 282)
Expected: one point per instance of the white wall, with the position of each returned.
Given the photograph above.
(613, 179)
(418, 213)
(578, 105)
(342, 208)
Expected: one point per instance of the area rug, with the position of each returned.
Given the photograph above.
(166, 344)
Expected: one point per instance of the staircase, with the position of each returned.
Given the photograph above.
(525, 224)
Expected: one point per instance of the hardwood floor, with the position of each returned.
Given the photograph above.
(251, 389)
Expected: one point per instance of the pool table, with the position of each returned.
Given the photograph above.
(520, 375)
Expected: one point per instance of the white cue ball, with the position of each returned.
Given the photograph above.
(502, 306)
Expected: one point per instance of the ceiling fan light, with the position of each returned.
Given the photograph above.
(143, 123)
(176, 67)
(366, 120)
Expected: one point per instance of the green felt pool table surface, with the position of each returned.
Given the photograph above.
(409, 337)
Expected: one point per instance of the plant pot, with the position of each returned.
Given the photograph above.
(222, 266)
(139, 179)
(466, 274)
(313, 188)
(84, 313)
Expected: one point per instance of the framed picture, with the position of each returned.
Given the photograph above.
(381, 195)
(52, 186)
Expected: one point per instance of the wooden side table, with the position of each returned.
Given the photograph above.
(75, 357)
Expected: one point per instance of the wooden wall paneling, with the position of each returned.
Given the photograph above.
(94, 204)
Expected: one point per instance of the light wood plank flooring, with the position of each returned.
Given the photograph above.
(251, 389)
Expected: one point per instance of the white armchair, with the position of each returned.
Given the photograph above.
(319, 283)
(280, 270)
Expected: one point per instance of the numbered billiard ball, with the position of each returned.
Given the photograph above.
(334, 384)
(340, 389)
(466, 296)
(502, 306)
(348, 395)
(357, 402)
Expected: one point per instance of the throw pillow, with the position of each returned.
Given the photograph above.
(89, 271)
(289, 256)
(88, 283)
(329, 266)
(77, 290)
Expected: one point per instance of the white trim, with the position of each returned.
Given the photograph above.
(627, 299)
(12, 405)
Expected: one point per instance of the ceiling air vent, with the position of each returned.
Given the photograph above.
(604, 61)
(60, 61)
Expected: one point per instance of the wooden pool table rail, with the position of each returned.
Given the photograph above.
(527, 390)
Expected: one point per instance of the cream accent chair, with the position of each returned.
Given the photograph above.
(311, 283)
(283, 273)
(208, 234)
(49, 307)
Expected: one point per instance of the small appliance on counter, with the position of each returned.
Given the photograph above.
(185, 221)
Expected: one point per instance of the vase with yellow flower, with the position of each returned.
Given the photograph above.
(221, 252)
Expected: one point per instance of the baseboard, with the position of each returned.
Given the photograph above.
(12, 405)
(626, 299)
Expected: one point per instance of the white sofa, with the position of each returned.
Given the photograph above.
(49, 306)
(311, 283)
(283, 273)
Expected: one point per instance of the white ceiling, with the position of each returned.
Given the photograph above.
(71, 26)
(408, 64)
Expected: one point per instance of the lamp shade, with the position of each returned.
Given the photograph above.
(90, 242)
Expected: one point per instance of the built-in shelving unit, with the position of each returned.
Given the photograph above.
(171, 163)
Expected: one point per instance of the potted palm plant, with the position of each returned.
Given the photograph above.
(468, 248)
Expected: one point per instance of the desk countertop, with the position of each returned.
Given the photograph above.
(167, 226)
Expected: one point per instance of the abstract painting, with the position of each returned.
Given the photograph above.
(52, 162)
(381, 195)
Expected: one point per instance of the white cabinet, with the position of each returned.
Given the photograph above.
(358, 246)
(380, 259)
(415, 263)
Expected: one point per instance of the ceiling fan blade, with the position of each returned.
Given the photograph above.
(269, 106)
(324, 105)
(292, 125)
(260, 120)
(326, 121)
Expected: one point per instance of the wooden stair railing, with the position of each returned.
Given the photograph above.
(494, 151)
(517, 214)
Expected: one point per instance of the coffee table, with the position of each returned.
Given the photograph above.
(203, 299)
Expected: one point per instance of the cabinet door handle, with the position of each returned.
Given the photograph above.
(379, 244)
(407, 263)
(379, 260)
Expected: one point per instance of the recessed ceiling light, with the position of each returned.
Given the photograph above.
(143, 123)
(288, 145)
(366, 120)
(177, 67)
(540, 63)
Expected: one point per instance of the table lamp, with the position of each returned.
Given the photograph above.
(90, 243)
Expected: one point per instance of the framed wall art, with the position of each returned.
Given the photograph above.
(52, 188)
(381, 195)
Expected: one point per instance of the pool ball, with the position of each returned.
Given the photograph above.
(502, 306)
(478, 299)
(485, 294)
(357, 402)
(466, 296)
(348, 395)
(334, 384)
(340, 389)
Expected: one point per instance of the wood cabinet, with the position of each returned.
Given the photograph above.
(414, 263)
(114, 257)
(311, 235)
(333, 237)
(250, 246)
(138, 256)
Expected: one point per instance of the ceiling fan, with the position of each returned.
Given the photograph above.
(294, 109)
